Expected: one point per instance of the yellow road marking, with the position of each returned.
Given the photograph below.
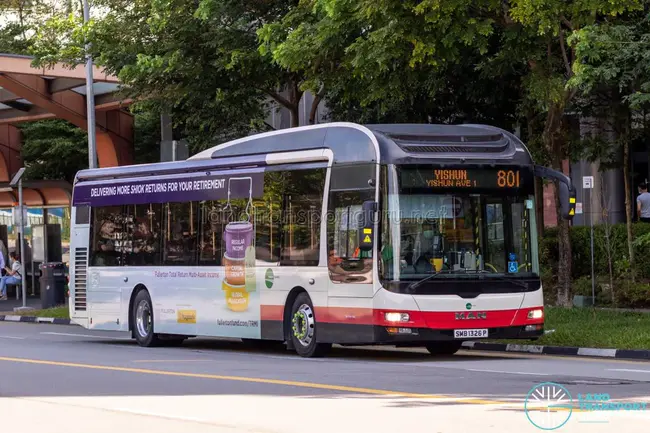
(312, 385)
(222, 377)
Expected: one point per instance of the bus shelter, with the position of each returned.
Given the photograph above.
(45, 202)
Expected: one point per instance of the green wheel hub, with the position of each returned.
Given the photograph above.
(302, 325)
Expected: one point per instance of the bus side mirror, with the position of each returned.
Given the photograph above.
(367, 225)
(567, 200)
(567, 191)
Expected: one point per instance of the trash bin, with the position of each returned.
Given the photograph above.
(52, 282)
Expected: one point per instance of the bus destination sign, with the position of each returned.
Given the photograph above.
(465, 178)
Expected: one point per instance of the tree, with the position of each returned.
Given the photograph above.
(551, 68)
(53, 150)
(381, 39)
(19, 19)
(615, 55)
(198, 60)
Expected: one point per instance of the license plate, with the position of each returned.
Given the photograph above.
(470, 333)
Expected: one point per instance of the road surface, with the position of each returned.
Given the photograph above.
(65, 379)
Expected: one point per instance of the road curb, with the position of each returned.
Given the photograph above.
(34, 319)
(637, 354)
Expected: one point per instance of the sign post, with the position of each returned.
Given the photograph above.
(17, 180)
(90, 98)
(588, 184)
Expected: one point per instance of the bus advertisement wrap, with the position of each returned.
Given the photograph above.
(217, 306)
(223, 300)
(170, 189)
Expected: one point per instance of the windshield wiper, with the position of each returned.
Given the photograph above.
(414, 284)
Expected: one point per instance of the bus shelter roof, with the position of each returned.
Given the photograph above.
(41, 193)
(28, 93)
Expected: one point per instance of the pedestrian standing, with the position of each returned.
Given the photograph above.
(643, 204)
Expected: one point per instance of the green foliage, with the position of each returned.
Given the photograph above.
(633, 295)
(627, 294)
(146, 140)
(61, 312)
(21, 18)
(586, 327)
(12, 38)
(56, 150)
(53, 150)
(196, 60)
(614, 54)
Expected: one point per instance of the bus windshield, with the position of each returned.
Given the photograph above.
(466, 226)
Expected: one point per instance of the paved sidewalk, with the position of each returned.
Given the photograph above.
(7, 307)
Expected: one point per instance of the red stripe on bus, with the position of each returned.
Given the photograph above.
(356, 316)
(272, 312)
(417, 319)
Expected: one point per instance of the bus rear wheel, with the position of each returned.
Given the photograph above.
(443, 347)
(303, 329)
(143, 320)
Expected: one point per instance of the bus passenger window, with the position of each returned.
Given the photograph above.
(213, 223)
(144, 227)
(267, 215)
(302, 208)
(108, 232)
(180, 234)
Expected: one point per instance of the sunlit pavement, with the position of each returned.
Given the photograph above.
(295, 414)
(68, 380)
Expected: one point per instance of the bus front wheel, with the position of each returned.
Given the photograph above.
(143, 320)
(443, 347)
(303, 329)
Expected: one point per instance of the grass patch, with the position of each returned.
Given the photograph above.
(57, 312)
(588, 327)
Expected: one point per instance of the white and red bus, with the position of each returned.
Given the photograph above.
(416, 235)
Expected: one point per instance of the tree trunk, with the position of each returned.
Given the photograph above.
(314, 108)
(605, 201)
(554, 145)
(292, 103)
(539, 206)
(295, 115)
(21, 17)
(626, 183)
(564, 259)
(295, 95)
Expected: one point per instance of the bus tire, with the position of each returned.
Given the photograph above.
(143, 320)
(443, 347)
(303, 329)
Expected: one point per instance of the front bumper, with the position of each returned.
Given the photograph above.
(385, 335)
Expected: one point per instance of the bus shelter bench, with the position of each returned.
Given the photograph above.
(17, 287)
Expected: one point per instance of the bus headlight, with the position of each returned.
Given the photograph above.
(536, 314)
(396, 317)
